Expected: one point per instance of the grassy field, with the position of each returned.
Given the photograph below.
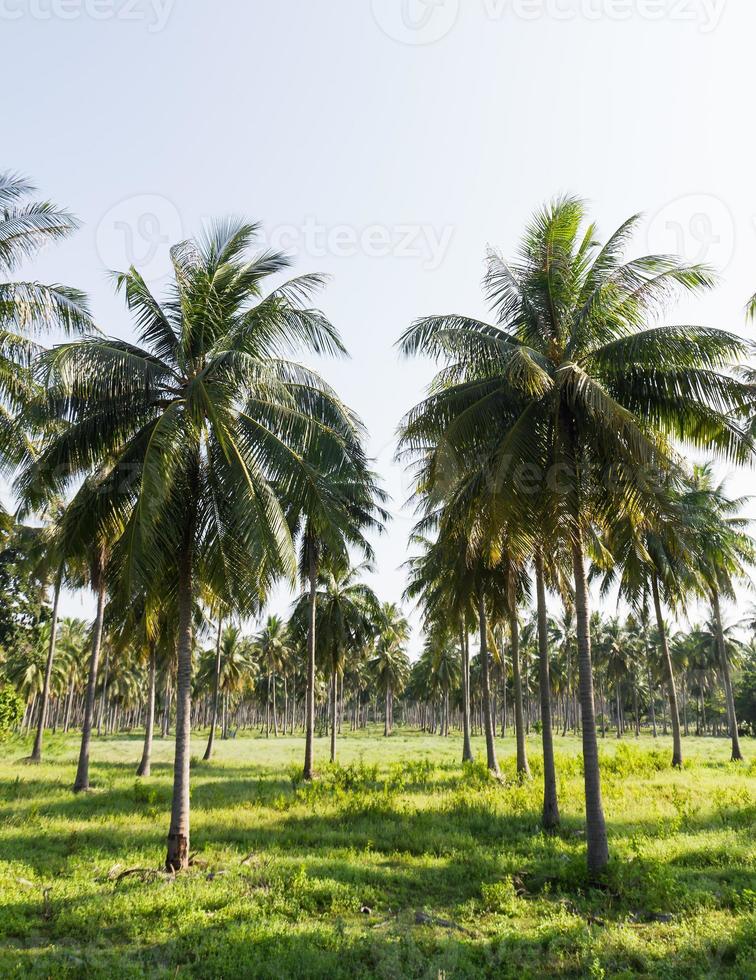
(457, 878)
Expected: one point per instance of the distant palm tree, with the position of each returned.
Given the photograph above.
(332, 515)
(389, 662)
(192, 435)
(441, 581)
(347, 614)
(272, 648)
(722, 550)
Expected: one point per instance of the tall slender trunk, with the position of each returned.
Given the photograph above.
(651, 699)
(310, 689)
(82, 772)
(673, 710)
(523, 769)
(36, 755)
(275, 719)
(167, 698)
(493, 762)
(387, 719)
(334, 708)
(550, 802)
(598, 848)
(145, 765)
(267, 710)
(737, 755)
(216, 685)
(69, 703)
(467, 753)
(177, 857)
(286, 704)
(103, 695)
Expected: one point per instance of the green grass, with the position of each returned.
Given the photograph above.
(400, 826)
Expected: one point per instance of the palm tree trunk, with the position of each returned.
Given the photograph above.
(81, 783)
(387, 719)
(310, 690)
(36, 755)
(467, 753)
(177, 857)
(334, 688)
(493, 762)
(523, 769)
(652, 700)
(737, 755)
(103, 695)
(145, 765)
(673, 710)
(267, 710)
(275, 719)
(550, 803)
(216, 686)
(69, 704)
(598, 848)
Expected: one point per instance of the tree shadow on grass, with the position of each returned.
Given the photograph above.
(395, 947)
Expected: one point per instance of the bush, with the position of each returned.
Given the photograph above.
(11, 711)
(500, 897)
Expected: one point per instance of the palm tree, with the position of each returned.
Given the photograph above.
(216, 688)
(440, 580)
(389, 663)
(28, 308)
(38, 559)
(333, 514)
(550, 815)
(142, 628)
(656, 556)
(193, 433)
(347, 614)
(576, 390)
(272, 650)
(722, 549)
(96, 560)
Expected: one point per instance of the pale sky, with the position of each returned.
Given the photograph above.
(386, 142)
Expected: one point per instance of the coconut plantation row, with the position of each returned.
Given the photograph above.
(195, 783)
(261, 681)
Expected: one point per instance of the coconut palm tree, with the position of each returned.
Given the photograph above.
(272, 649)
(193, 434)
(389, 662)
(28, 308)
(575, 388)
(347, 614)
(550, 814)
(332, 515)
(440, 581)
(722, 552)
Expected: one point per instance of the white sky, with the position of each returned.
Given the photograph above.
(386, 142)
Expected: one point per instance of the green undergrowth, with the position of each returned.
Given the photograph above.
(398, 862)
